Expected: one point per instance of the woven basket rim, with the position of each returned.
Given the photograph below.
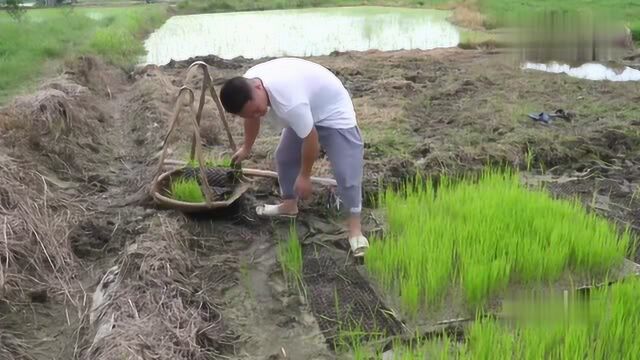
(238, 190)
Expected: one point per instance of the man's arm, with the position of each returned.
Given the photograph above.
(301, 121)
(310, 152)
(251, 130)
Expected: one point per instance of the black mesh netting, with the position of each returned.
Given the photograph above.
(341, 299)
(567, 189)
(220, 180)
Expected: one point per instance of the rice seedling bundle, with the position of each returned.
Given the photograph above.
(290, 256)
(187, 190)
(483, 235)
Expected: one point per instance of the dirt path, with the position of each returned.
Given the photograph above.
(79, 229)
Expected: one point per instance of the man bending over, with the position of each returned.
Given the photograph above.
(315, 109)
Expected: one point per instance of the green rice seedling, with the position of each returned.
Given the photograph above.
(350, 338)
(605, 327)
(188, 190)
(539, 326)
(224, 162)
(418, 348)
(618, 330)
(483, 234)
(220, 162)
(194, 163)
(530, 157)
(290, 256)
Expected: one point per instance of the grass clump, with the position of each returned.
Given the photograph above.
(290, 256)
(482, 235)
(187, 190)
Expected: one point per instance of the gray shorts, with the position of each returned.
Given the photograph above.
(345, 150)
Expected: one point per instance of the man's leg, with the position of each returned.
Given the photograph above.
(288, 166)
(345, 150)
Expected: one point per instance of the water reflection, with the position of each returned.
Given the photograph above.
(589, 71)
(302, 32)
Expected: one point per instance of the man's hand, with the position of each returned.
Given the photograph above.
(251, 130)
(303, 186)
(310, 150)
(240, 155)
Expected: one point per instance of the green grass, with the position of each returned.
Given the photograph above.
(118, 37)
(482, 236)
(187, 190)
(290, 257)
(195, 6)
(54, 34)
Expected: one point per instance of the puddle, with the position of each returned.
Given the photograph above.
(299, 32)
(588, 71)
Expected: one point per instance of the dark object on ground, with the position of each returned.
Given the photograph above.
(39, 296)
(220, 180)
(547, 118)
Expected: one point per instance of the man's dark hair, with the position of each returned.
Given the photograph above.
(235, 93)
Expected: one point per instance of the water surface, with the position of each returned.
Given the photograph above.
(299, 32)
(589, 71)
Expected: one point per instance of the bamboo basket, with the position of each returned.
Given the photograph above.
(161, 184)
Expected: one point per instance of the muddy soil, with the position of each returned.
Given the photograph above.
(92, 269)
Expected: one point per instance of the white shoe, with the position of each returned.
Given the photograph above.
(273, 211)
(359, 245)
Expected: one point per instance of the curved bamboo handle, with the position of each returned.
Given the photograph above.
(208, 83)
(174, 120)
(208, 194)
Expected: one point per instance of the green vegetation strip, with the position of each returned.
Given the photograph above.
(604, 327)
(187, 190)
(55, 34)
(483, 235)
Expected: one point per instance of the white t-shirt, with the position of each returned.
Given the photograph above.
(304, 94)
